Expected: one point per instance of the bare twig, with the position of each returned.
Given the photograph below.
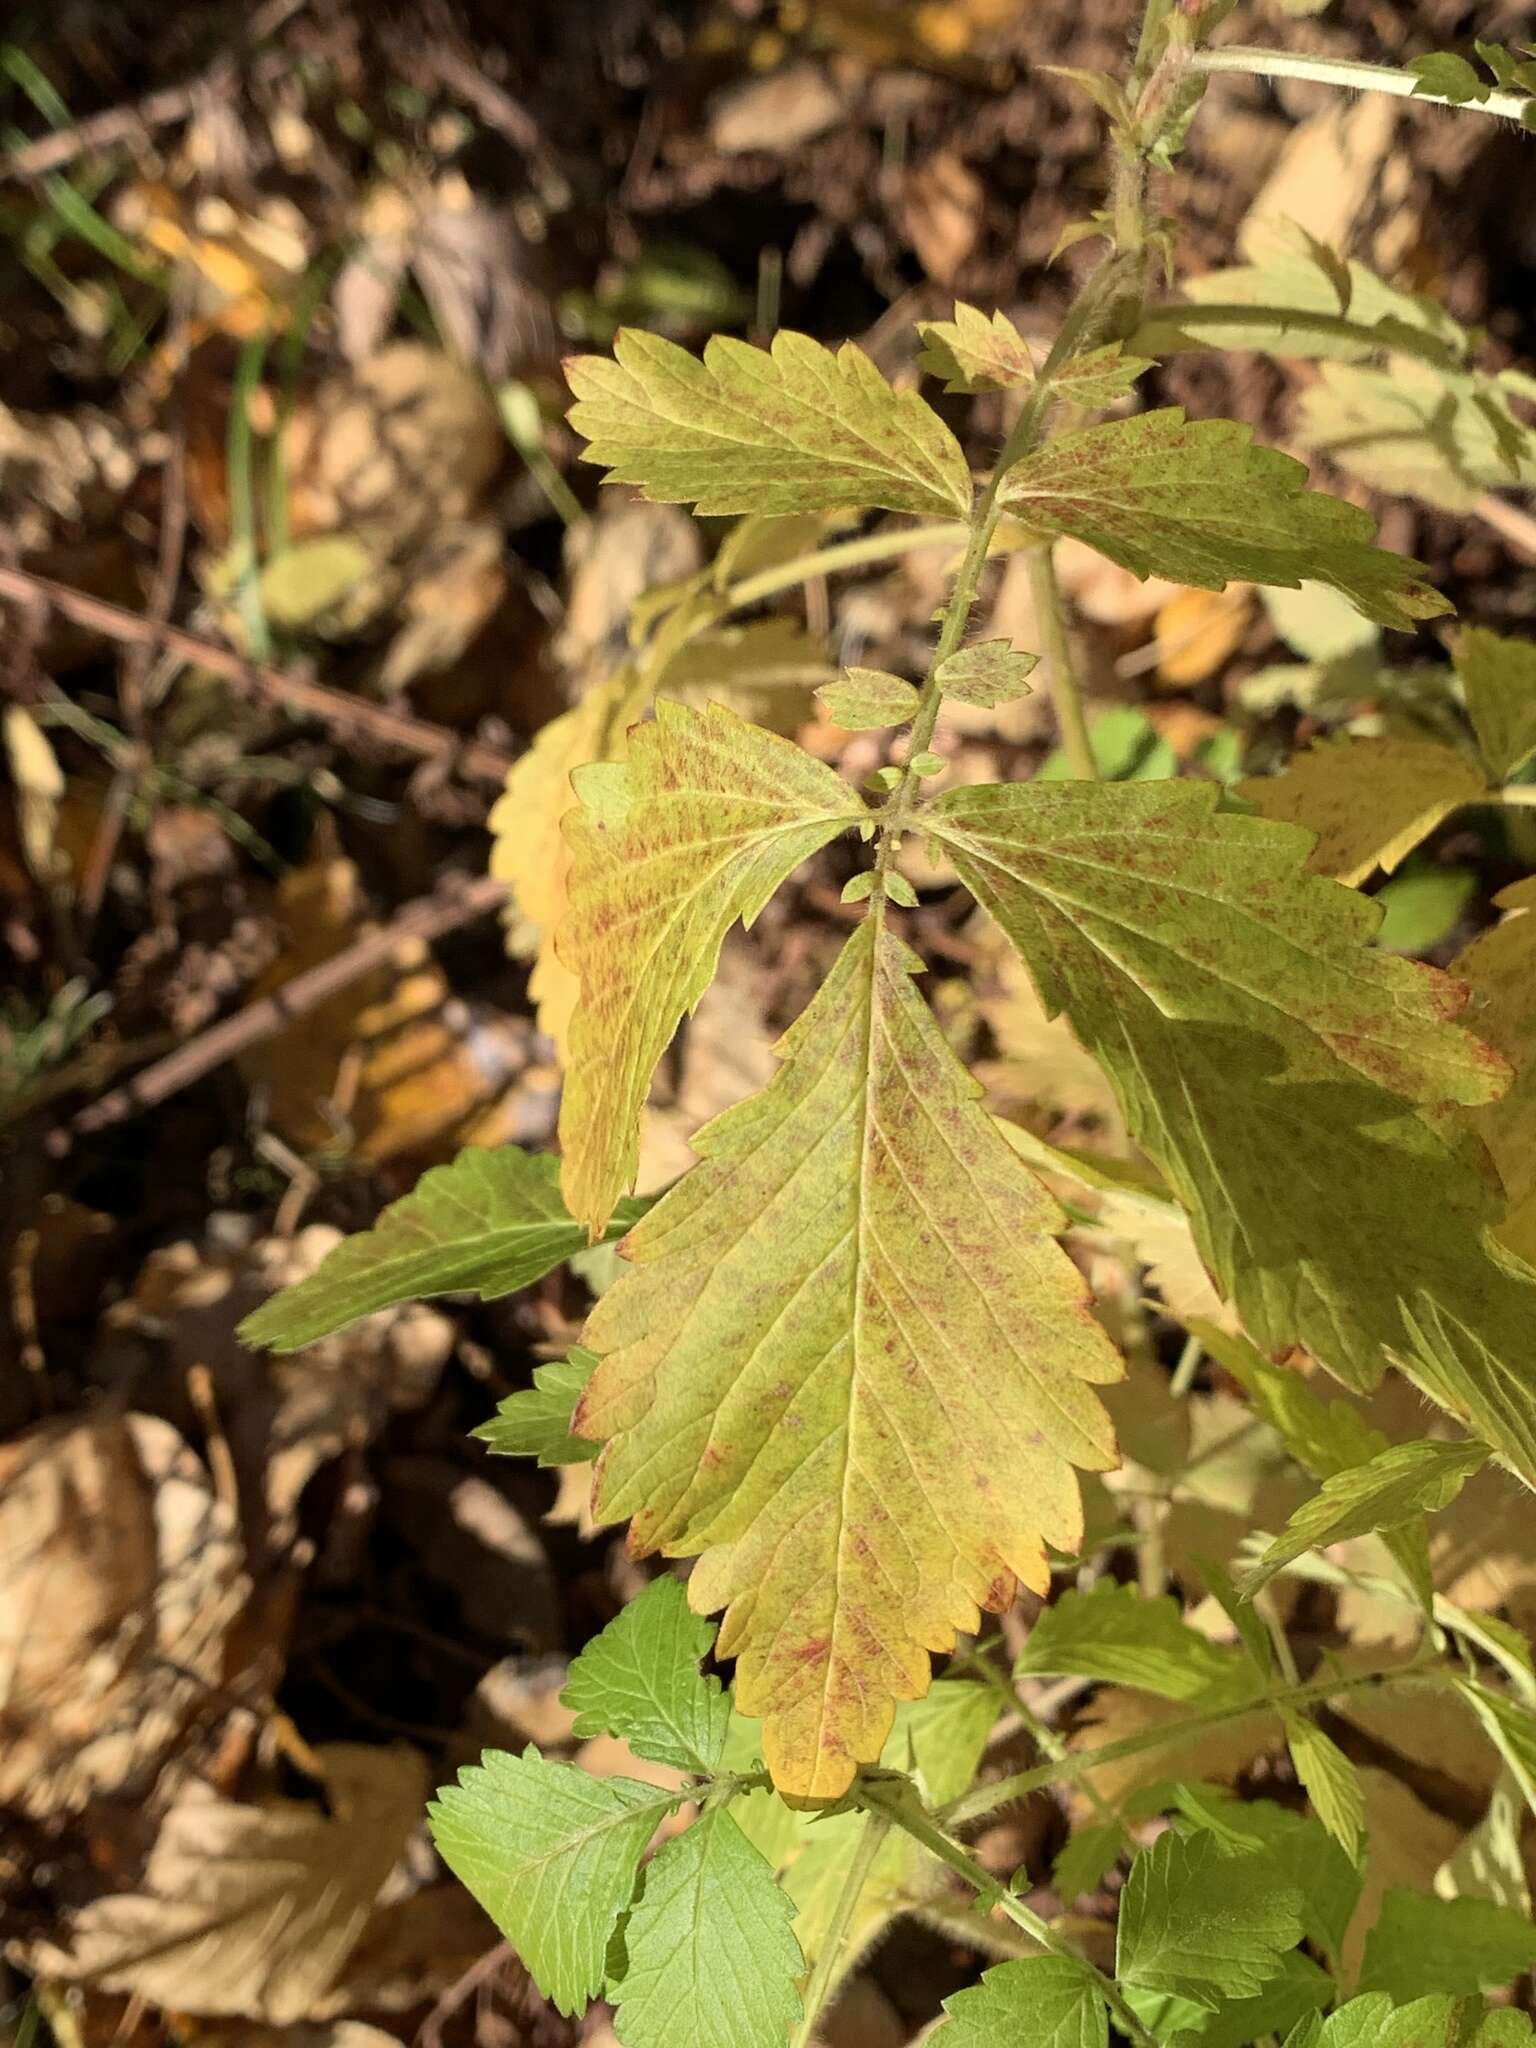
(457, 900)
(334, 708)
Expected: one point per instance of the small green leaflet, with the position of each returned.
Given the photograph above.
(793, 428)
(974, 353)
(988, 674)
(864, 698)
(1116, 1634)
(1198, 502)
(1405, 1480)
(1100, 377)
(1201, 1923)
(537, 1422)
(1372, 2021)
(1412, 785)
(1329, 1780)
(1442, 75)
(709, 1952)
(640, 1680)
(487, 1224)
(668, 849)
(1499, 677)
(1044, 2002)
(1277, 1069)
(1421, 1944)
(551, 1854)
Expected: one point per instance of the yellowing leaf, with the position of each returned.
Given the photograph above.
(1446, 436)
(1199, 630)
(988, 674)
(852, 1368)
(791, 429)
(1197, 501)
(975, 353)
(1501, 967)
(668, 849)
(1369, 801)
(864, 699)
(1290, 1080)
(1499, 677)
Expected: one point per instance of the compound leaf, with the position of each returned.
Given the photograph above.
(1369, 801)
(1399, 1482)
(811, 1377)
(1499, 677)
(490, 1222)
(640, 1679)
(973, 352)
(793, 428)
(990, 673)
(698, 827)
(863, 699)
(536, 1423)
(1042, 2002)
(1292, 1084)
(1421, 1944)
(1197, 502)
(709, 1955)
(1116, 1634)
(1203, 1923)
(551, 1854)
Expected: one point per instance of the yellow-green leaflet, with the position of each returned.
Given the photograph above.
(696, 829)
(852, 1369)
(1370, 801)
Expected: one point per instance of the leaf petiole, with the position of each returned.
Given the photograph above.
(1351, 73)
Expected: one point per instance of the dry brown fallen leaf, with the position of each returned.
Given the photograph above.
(248, 1910)
(121, 1575)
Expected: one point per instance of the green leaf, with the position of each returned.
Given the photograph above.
(1127, 747)
(1085, 1859)
(537, 1422)
(1197, 502)
(1500, 966)
(708, 1948)
(551, 1854)
(640, 1680)
(301, 583)
(1404, 1480)
(1422, 906)
(1203, 1924)
(1043, 2002)
(807, 1374)
(1277, 1069)
(863, 698)
(1369, 801)
(1499, 677)
(1116, 1634)
(1448, 77)
(793, 428)
(1511, 1727)
(1421, 1944)
(1297, 1988)
(696, 829)
(1302, 1854)
(975, 353)
(1372, 2021)
(1099, 378)
(988, 674)
(1329, 1780)
(487, 1224)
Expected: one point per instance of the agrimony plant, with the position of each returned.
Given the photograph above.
(848, 1367)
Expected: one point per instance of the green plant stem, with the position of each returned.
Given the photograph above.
(826, 1975)
(846, 554)
(1004, 1791)
(1352, 74)
(1191, 316)
(1061, 670)
(908, 1813)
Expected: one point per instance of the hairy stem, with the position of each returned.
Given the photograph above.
(1061, 669)
(908, 1813)
(826, 1975)
(1352, 74)
(1004, 1791)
